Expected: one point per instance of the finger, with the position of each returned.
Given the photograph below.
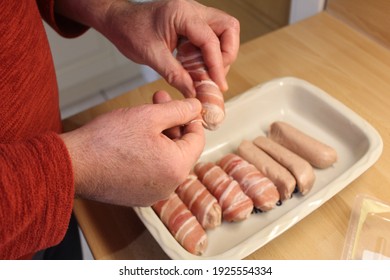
(173, 72)
(176, 113)
(161, 97)
(227, 68)
(208, 42)
(229, 47)
(227, 28)
(192, 142)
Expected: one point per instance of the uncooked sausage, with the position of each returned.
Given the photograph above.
(279, 175)
(182, 224)
(207, 91)
(315, 152)
(236, 205)
(200, 201)
(300, 168)
(258, 187)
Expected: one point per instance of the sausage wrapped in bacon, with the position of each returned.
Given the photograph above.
(200, 201)
(255, 184)
(182, 224)
(236, 205)
(207, 91)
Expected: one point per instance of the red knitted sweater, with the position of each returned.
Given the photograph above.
(36, 177)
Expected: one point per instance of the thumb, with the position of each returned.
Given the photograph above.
(177, 112)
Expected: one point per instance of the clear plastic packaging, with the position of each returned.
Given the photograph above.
(368, 235)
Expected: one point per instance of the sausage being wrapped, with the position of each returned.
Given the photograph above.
(256, 185)
(236, 206)
(207, 91)
(182, 224)
(200, 201)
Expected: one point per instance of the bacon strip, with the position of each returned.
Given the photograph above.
(236, 205)
(258, 187)
(207, 91)
(182, 224)
(200, 201)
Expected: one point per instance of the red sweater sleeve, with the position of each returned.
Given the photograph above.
(36, 179)
(64, 26)
(36, 189)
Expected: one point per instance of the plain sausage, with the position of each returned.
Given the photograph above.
(279, 175)
(315, 152)
(300, 168)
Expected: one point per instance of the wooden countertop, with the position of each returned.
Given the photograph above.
(325, 52)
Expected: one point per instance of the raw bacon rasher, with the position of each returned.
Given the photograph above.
(236, 205)
(200, 201)
(182, 224)
(207, 91)
(256, 185)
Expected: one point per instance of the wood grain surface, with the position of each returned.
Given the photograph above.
(369, 17)
(256, 17)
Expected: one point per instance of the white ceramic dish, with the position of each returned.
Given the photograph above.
(311, 110)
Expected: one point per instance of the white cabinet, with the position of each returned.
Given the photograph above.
(88, 65)
(301, 9)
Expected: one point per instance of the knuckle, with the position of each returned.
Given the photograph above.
(212, 39)
(234, 23)
(173, 77)
(175, 5)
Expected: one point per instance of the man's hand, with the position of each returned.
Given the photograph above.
(123, 157)
(147, 33)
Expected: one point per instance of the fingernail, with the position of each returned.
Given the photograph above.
(225, 86)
